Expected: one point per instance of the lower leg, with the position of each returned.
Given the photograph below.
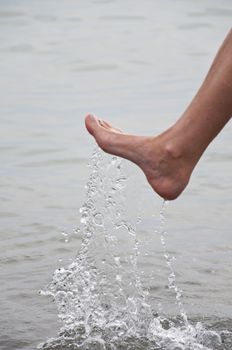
(211, 108)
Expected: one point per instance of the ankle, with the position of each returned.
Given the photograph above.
(181, 145)
(173, 143)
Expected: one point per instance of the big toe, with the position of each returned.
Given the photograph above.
(91, 123)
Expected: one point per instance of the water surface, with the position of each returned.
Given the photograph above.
(136, 64)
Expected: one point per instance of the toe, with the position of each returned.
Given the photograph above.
(91, 123)
(105, 124)
(109, 127)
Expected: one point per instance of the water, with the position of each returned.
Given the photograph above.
(169, 259)
(101, 301)
(136, 64)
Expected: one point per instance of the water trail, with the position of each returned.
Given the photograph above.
(169, 259)
(101, 301)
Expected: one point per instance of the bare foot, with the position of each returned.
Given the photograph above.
(165, 166)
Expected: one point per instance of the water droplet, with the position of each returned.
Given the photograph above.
(114, 160)
(98, 219)
(120, 183)
(88, 234)
(119, 278)
(117, 260)
(84, 219)
(65, 234)
(76, 230)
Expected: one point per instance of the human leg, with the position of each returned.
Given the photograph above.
(168, 159)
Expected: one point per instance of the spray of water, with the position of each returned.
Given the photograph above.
(101, 301)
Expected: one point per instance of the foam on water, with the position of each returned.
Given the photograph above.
(101, 302)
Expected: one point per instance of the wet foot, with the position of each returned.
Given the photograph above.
(164, 164)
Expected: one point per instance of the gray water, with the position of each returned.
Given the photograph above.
(137, 64)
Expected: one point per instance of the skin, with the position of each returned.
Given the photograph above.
(168, 159)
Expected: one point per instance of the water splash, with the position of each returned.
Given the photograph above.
(101, 301)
